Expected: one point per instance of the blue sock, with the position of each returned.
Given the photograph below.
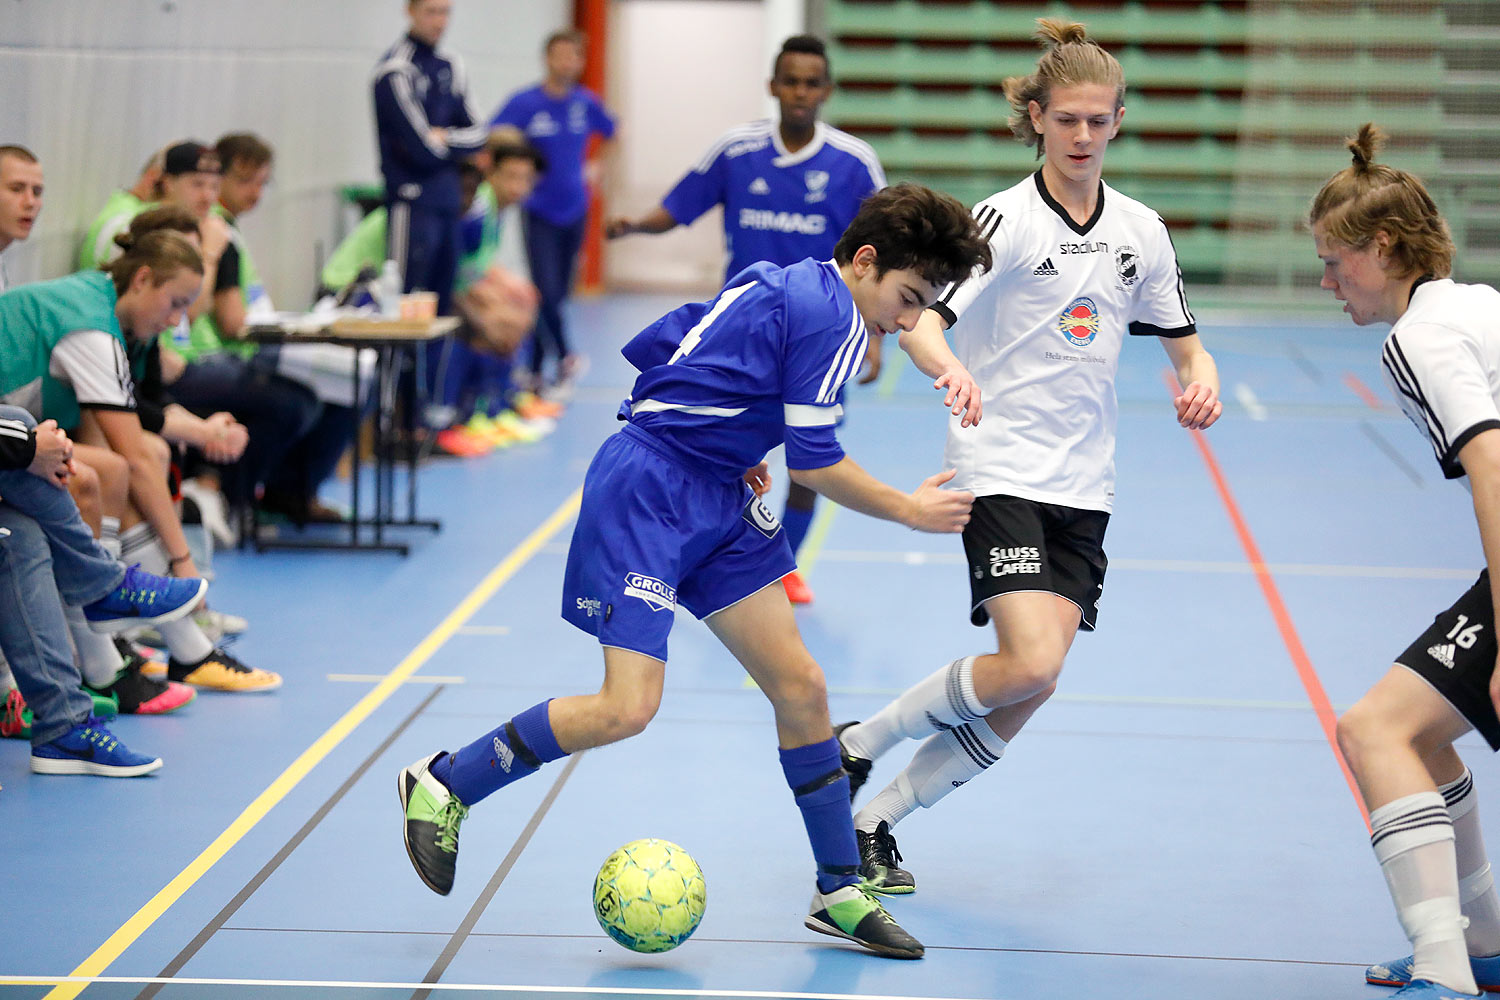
(818, 781)
(795, 523)
(499, 757)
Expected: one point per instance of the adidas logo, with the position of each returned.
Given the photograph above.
(1443, 653)
(759, 186)
(1046, 268)
(504, 754)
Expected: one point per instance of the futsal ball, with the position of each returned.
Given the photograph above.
(649, 895)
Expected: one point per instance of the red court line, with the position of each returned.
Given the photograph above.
(1305, 672)
(1363, 391)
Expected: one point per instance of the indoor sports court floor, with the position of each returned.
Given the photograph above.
(1173, 824)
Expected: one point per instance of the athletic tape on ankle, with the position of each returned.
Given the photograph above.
(1432, 921)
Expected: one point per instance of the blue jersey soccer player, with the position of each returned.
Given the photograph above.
(788, 189)
(671, 515)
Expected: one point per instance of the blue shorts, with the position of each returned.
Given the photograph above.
(654, 532)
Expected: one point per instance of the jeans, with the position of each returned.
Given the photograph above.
(84, 571)
(274, 409)
(553, 251)
(33, 631)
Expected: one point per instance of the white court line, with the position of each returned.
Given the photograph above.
(1249, 401)
(617, 991)
(1175, 565)
(377, 678)
(485, 630)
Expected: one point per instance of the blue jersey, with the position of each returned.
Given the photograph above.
(559, 128)
(779, 207)
(419, 88)
(725, 381)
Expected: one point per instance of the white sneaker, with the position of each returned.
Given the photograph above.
(212, 511)
(217, 624)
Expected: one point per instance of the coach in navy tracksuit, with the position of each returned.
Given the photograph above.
(425, 129)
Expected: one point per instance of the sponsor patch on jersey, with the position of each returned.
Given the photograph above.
(1443, 653)
(1046, 269)
(817, 185)
(761, 518)
(759, 186)
(654, 592)
(590, 606)
(1127, 265)
(1080, 321)
(783, 222)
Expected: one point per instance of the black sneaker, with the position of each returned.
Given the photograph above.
(877, 863)
(137, 694)
(853, 914)
(432, 817)
(858, 767)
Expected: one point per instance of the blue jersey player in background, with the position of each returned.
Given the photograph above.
(788, 189)
(671, 515)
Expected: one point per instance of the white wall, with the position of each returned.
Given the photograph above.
(682, 72)
(94, 86)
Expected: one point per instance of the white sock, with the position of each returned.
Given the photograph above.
(98, 659)
(941, 764)
(141, 544)
(109, 535)
(1476, 886)
(185, 640)
(942, 701)
(7, 679)
(1413, 841)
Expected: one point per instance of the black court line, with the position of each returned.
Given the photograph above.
(213, 926)
(803, 941)
(465, 929)
(1391, 452)
(1309, 369)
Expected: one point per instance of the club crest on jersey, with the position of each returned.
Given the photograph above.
(759, 186)
(654, 592)
(760, 517)
(817, 185)
(1080, 321)
(1127, 265)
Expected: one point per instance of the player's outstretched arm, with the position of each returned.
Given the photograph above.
(1198, 406)
(929, 508)
(927, 346)
(658, 220)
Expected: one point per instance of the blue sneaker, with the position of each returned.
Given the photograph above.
(89, 748)
(144, 599)
(1398, 973)
(1426, 989)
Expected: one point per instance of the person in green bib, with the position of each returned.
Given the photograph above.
(221, 372)
(114, 218)
(63, 357)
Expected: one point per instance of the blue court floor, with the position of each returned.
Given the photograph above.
(1174, 824)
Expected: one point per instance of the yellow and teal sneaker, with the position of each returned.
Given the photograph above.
(432, 816)
(854, 914)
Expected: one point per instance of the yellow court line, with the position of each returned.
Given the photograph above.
(148, 914)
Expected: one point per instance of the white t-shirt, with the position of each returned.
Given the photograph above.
(94, 364)
(1041, 333)
(1442, 363)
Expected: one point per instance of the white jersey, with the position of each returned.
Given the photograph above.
(1442, 363)
(1045, 342)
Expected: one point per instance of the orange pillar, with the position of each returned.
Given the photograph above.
(592, 18)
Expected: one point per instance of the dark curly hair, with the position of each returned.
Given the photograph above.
(916, 228)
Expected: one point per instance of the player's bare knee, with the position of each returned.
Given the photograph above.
(1361, 731)
(629, 716)
(801, 687)
(1037, 669)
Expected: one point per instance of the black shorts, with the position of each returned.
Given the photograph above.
(1456, 655)
(1019, 545)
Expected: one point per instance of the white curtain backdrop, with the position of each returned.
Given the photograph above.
(93, 87)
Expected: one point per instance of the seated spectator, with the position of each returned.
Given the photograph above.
(99, 244)
(63, 357)
(47, 550)
(20, 199)
(218, 374)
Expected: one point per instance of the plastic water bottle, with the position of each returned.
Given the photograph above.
(389, 290)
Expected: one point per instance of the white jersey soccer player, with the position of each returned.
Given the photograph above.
(1386, 253)
(1076, 268)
